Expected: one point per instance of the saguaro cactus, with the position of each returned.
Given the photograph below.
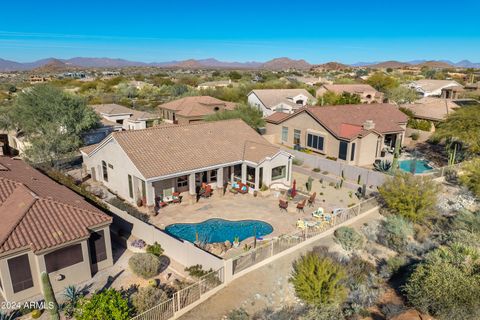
(51, 303)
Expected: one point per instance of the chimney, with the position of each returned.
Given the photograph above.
(369, 125)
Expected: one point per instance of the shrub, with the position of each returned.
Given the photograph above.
(145, 265)
(131, 210)
(36, 314)
(413, 197)
(197, 271)
(393, 264)
(470, 176)
(348, 238)
(318, 281)
(72, 295)
(238, 314)
(106, 305)
(155, 249)
(297, 162)
(447, 283)
(148, 297)
(396, 232)
(415, 135)
(138, 243)
(316, 170)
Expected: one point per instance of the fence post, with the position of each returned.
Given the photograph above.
(271, 248)
(359, 208)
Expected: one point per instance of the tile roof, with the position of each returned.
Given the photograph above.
(196, 106)
(429, 108)
(272, 97)
(166, 150)
(116, 109)
(429, 85)
(41, 222)
(346, 121)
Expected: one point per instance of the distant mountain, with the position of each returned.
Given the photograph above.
(333, 66)
(390, 64)
(55, 65)
(435, 64)
(419, 63)
(7, 65)
(467, 64)
(285, 64)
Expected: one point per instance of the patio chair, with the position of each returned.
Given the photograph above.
(311, 200)
(301, 205)
(319, 213)
(207, 193)
(177, 198)
(283, 205)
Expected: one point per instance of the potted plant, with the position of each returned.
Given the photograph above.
(236, 242)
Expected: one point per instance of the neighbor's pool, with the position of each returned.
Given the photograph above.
(421, 166)
(219, 230)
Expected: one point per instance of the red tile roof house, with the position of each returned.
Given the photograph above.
(192, 109)
(46, 227)
(153, 163)
(354, 134)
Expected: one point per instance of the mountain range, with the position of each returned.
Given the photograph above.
(53, 64)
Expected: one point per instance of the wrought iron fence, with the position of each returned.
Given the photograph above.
(183, 298)
(285, 242)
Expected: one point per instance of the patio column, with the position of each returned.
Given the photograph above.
(150, 194)
(257, 178)
(244, 173)
(232, 175)
(220, 181)
(192, 188)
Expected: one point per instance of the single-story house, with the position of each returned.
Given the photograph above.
(214, 84)
(192, 109)
(128, 118)
(366, 92)
(354, 134)
(153, 163)
(270, 101)
(46, 227)
(430, 87)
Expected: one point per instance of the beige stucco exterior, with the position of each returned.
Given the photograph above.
(367, 148)
(71, 275)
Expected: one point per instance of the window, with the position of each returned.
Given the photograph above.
(144, 189)
(182, 181)
(20, 273)
(342, 150)
(63, 258)
(130, 186)
(352, 152)
(300, 102)
(284, 134)
(296, 136)
(104, 170)
(98, 250)
(110, 166)
(279, 172)
(315, 142)
(213, 176)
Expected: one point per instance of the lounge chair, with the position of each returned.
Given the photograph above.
(311, 200)
(282, 204)
(177, 198)
(239, 187)
(301, 205)
(319, 213)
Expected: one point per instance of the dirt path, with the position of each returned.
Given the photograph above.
(265, 287)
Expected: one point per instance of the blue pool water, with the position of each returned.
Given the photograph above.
(219, 230)
(421, 166)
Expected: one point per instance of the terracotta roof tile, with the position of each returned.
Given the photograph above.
(350, 88)
(196, 106)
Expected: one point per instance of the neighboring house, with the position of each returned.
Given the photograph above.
(270, 101)
(153, 163)
(128, 118)
(46, 227)
(433, 88)
(437, 109)
(366, 92)
(214, 84)
(354, 134)
(311, 81)
(192, 109)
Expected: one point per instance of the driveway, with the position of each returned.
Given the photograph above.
(266, 286)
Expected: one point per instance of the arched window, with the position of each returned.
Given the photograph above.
(104, 170)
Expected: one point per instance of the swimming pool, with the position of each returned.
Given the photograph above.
(421, 166)
(219, 230)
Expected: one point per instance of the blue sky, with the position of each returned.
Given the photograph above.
(318, 31)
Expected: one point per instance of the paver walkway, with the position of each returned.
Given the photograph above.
(266, 286)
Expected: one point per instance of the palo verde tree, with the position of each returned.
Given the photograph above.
(51, 120)
(252, 116)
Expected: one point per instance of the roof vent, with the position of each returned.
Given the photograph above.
(369, 125)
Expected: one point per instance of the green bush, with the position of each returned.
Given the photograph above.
(106, 305)
(155, 249)
(396, 232)
(447, 283)
(413, 197)
(197, 271)
(395, 263)
(131, 210)
(319, 281)
(348, 238)
(145, 265)
(470, 176)
(415, 135)
(238, 314)
(148, 297)
(36, 314)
